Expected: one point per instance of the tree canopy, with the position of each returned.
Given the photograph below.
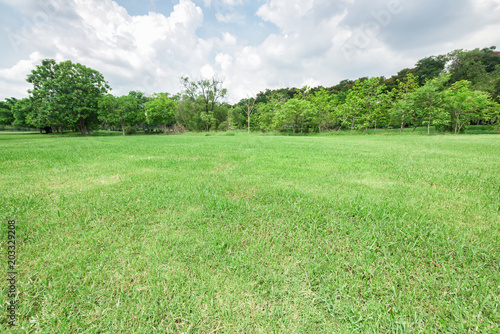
(448, 92)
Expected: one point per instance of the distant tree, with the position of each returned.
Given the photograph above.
(120, 111)
(265, 113)
(392, 82)
(430, 68)
(464, 104)
(293, 114)
(492, 115)
(206, 93)
(323, 104)
(66, 94)
(365, 103)
(20, 111)
(402, 110)
(140, 101)
(249, 110)
(428, 103)
(160, 111)
(6, 115)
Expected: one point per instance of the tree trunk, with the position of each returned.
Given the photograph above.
(82, 126)
(248, 123)
(123, 129)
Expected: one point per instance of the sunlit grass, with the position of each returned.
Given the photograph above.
(195, 233)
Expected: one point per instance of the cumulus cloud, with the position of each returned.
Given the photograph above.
(305, 42)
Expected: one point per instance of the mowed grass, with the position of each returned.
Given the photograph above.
(253, 234)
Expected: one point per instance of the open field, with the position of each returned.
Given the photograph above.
(243, 234)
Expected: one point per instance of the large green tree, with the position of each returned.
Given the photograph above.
(66, 94)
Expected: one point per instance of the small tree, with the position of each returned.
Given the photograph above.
(464, 104)
(118, 110)
(206, 93)
(402, 109)
(249, 110)
(323, 103)
(293, 114)
(160, 111)
(428, 102)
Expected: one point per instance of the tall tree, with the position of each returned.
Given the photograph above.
(402, 110)
(140, 100)
(428, 103)
(67, 94)
(323, 103)
(206, 92)
(249, 110)
(365, 103)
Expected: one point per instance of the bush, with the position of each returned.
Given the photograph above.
(130, 130)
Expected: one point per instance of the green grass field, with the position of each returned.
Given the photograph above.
(253, 234)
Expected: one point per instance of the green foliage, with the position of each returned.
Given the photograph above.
(120, 111)
(429, 68)
(6, 114)
(160, 111)
(20, 111)
(200, 98)
(65, 95)
(130, 130)
(429, 103)
(365, 104)
(294, 114)
(464, 104)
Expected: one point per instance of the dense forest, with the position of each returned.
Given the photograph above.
(447, 92)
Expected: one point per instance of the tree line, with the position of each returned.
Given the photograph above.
(448, 92)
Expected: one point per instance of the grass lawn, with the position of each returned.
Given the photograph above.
(253, 234)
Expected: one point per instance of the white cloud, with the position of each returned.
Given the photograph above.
(13, 78)
(207, 71)
(232, 2)
(313, 42)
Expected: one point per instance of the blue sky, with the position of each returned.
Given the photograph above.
(252, 45)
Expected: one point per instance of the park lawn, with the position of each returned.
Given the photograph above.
(243, 234)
